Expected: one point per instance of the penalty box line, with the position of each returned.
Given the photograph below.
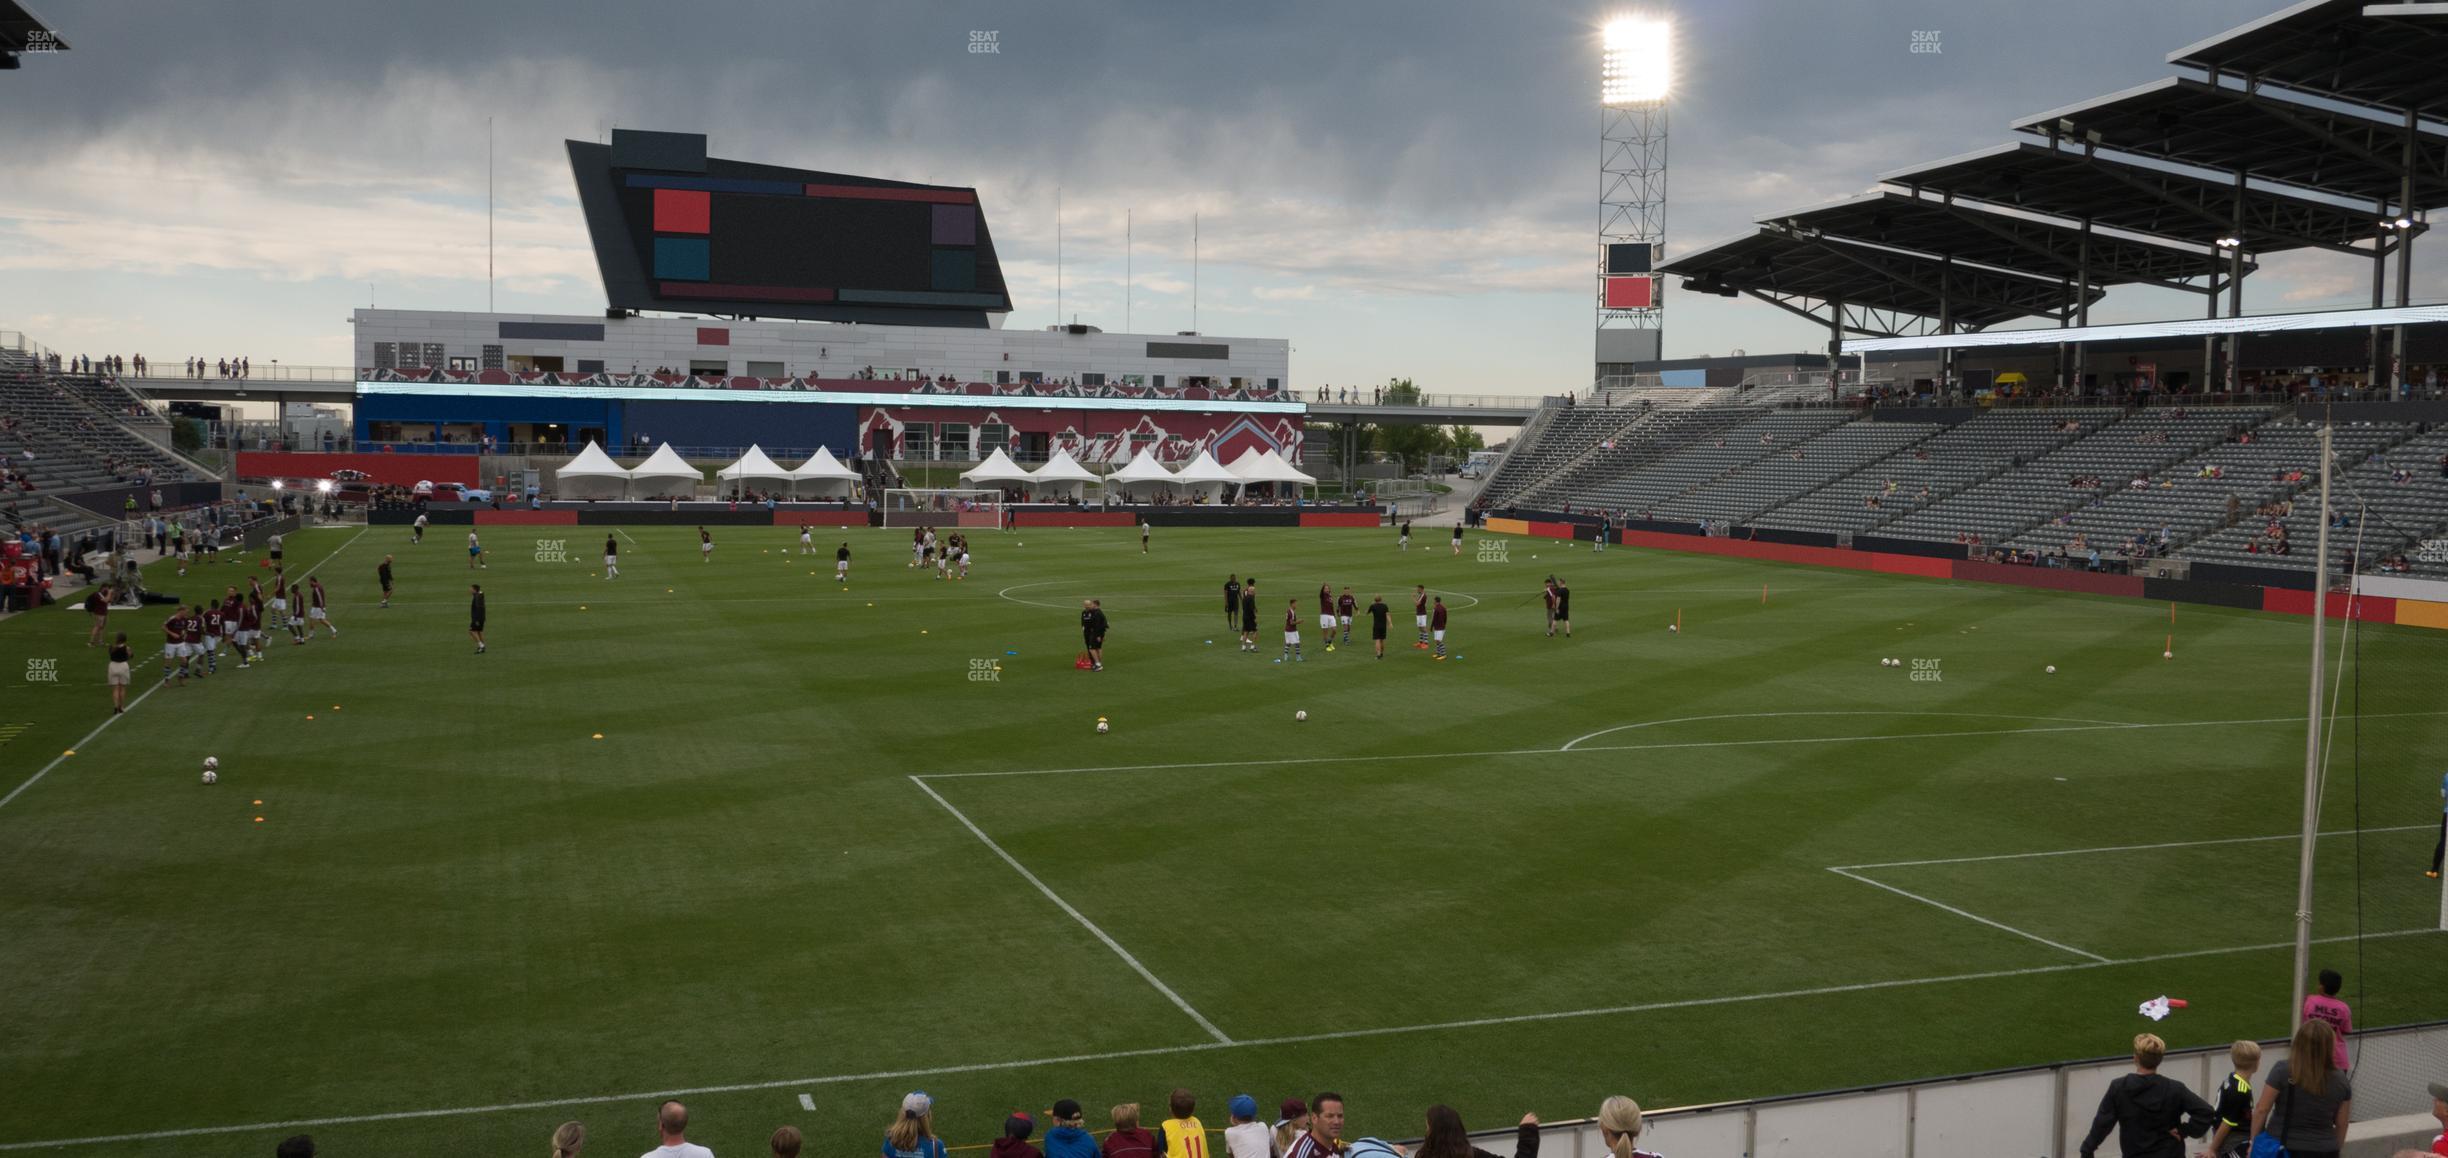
(652, 1096)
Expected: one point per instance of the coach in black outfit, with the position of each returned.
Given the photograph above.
(1092, 632)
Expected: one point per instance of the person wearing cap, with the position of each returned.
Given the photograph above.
(1291, 1121)
(1184, 1135)
(1247, 1137)
(1015, 1140)
(1068, 1138)
(913, 1133)
(1127, 1139)
(1325, 1128)
(2439, 1113)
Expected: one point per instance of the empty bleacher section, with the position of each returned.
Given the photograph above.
(1934, 470)
(1745, 492)
(1636, 489)
(2005, 505)
(2201, 494)
(1553, 438)
(77, 444)
(1655, 434)
(2401, 493)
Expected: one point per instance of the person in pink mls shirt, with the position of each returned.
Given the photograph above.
(2325, 1006)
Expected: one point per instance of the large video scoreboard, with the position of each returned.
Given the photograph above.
(675, 230)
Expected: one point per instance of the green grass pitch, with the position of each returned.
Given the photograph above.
(818, 853)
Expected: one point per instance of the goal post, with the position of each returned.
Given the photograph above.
(943, 507)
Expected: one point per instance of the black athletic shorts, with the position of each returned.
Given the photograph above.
(475, 625)
(1092, 639)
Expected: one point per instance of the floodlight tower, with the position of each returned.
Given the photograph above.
(1636, 70)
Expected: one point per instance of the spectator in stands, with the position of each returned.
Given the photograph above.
(1619, 1127)
(2152, 1115)
(672, 1121)
(1244, 1137)
(1015, 1140)
(1448, 1139)
(1291, 1121)
(913, 1133)
(2306, 1103)
(569, 1139)
(1068, 1138)
(1127, 1139)
(1325, 1127)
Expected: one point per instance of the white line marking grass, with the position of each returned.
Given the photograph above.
(1970, 916)
(147, 694)
(1075, 914)
(651, 1096)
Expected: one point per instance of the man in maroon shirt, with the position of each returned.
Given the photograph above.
(1345, 607)
(194, 624)
(1436, 625)
(97, 605)
(174, 645)
(1326, 615)
(1292, 638)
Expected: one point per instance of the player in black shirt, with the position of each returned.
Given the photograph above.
(1405, 542)
(611, 557)
(705, 545)
(384, 573)
(1232, 601)
(1249, 616)
(1379, 614)
(841, 562)
(1457, 538)
(1092, 632)
(476, 616)
(1563, 608)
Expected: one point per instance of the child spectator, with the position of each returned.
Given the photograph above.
(913, 1133)
(1127, 1139)
(1015, 1140)
(2233, 1136)
(1246, 1136)
(1068, 1139)
(1184, 1136)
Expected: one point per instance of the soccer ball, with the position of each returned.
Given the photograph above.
(2052, 669)
(2167, 655)
(1302, 716)
(1673, 627)
(1102, 726)
(212, 769)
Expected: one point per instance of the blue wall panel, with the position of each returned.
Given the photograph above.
(773, 424)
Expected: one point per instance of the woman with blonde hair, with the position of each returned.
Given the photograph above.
(1619, 1126)
(913, 1133)
(569, 1140)
(2307, 1100)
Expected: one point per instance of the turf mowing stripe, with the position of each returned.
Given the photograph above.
(1084, 922)
(1970, 916)
(2124, 848)
(1162, 1051)
(148, 692)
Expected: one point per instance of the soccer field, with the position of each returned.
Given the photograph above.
(835, 843)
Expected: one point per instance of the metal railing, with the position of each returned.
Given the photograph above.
(271, 371)
(1338, 396)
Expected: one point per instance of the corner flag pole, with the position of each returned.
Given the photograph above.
(2312, 747)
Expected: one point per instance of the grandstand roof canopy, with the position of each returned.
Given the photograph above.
(2218, 127)
(2141, 197)
(1774, 263)
(2339, 49)
(1969, 231)
(19, 29)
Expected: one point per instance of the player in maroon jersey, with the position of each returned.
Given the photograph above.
(1292, 634)
(1436, 625)
(209, 614)
(250, 630)
(1419, 616)
(1326, 615)
(1345, 607)
(174, 645)
(194, 635)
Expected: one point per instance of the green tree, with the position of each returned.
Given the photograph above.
(187, 435)
(1465, 440)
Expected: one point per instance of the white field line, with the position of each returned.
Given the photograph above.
(147, 694)
(1971, 916)
(1380, 758)
(652, 1096)
(1568, 744)
(2122, 848)
(1076, 915)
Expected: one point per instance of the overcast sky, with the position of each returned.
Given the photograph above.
(1402, 189)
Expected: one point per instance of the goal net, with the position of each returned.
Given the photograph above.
(943, 507)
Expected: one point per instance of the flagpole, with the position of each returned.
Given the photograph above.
(488, 215)
(1126, 270)
(2312, 747)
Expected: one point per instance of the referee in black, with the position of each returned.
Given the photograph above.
(1092, 632)
(1249, 615)
(476, 616)
(1232, 600)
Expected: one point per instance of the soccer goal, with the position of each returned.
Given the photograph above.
(943, 507)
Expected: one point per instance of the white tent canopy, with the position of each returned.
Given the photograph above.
(592, 474)
(1282, 471)
(1204, 474)
(1142, 471)
(1062, 474)
(998, 468)
(826, 473)
(665, 472)
(1250, 467)
(754, 465)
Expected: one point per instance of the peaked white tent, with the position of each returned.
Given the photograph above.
(1284, 471)
(1141, 472)
(1062, 474)
(826, 474)
(1205, 475)
(998, 468)
(591, 475)
(664, 472)
(755, 464)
